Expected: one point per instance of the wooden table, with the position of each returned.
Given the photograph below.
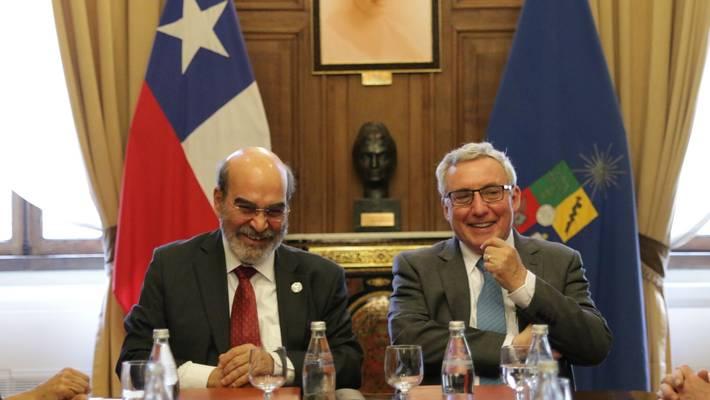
(246, 393)
(487, 392)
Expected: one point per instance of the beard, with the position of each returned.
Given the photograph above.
(254, 254)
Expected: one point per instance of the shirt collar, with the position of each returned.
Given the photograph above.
(471, 258)
(265, 268)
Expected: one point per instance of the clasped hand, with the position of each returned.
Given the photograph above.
(233, 367)
(67, 384)
(684, 384)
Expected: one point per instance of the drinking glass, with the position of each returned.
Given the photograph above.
(133, 379)
(404, 367)
(513, 370)
(267, 379)
(565, 388)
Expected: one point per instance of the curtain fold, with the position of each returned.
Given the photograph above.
(105, 47)
(656, 53)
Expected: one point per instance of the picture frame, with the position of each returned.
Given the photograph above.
(354, 36)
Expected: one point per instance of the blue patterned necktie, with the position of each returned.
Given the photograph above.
(490, 312)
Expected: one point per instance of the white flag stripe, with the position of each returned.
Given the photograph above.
(239, 123)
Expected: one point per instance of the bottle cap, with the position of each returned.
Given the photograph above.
(547, 366)
(539, 329)
(317, 325)
(456, 325)
(161, 334)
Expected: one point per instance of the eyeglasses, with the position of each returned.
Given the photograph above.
(489, 194)
(274, 213)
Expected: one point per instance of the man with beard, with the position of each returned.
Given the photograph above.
(225, 292)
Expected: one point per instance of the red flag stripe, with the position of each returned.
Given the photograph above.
(161, 199)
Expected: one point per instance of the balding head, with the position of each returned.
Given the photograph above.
(255, 162)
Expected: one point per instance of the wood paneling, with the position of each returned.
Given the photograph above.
(315, 118)
(269, 5)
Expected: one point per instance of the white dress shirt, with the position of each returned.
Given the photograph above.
(520, 297)
(193, 375)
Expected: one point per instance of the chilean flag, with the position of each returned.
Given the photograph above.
(198, 104)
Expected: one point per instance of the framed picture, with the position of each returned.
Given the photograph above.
(351, 36)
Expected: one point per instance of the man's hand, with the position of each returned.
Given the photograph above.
(215, 378)
(263, 363)
(683, 384)
(504, 263)
(235, 364)
(65, 385)
(670, 385)
(523, 338)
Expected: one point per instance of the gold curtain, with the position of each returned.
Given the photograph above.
(105, 47)
(656, 53)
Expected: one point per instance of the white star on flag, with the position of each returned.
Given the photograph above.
(196, 30)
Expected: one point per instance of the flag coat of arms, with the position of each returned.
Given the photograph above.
(199, 102)
(557, 118)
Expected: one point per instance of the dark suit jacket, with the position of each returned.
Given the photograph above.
(185, 290)
(431, 289)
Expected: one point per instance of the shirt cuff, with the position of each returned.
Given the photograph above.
(192, 375)
(523, 295)
(290, 370)
(508, 340)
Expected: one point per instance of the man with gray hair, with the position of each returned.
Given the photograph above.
(497, 281)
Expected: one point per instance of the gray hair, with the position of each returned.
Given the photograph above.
(472, 151)
(223, 178)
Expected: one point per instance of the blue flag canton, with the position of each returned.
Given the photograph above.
(559, 203)
(210, 79)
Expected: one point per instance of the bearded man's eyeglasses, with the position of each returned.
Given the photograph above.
(275, 213)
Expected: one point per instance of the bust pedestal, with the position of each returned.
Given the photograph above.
(376, 215)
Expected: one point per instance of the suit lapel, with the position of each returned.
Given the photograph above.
(454, 281)
(292, 294)
(210, 271)
(528, 251)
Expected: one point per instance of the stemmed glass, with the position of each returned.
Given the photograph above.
(263, 377)
(404, 367)
(513, 369)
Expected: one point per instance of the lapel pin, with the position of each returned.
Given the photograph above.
(296, 287)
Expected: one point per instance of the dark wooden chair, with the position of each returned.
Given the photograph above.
(369, 317)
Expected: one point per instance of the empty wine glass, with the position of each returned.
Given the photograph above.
(513, 369)
(404, 367)
(262, 375)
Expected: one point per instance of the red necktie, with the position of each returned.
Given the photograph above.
(245, 321)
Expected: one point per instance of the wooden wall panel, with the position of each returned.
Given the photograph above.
(480, 61)
(315, 118)
(270, 5)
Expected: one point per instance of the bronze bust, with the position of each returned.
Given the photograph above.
(374, 159)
